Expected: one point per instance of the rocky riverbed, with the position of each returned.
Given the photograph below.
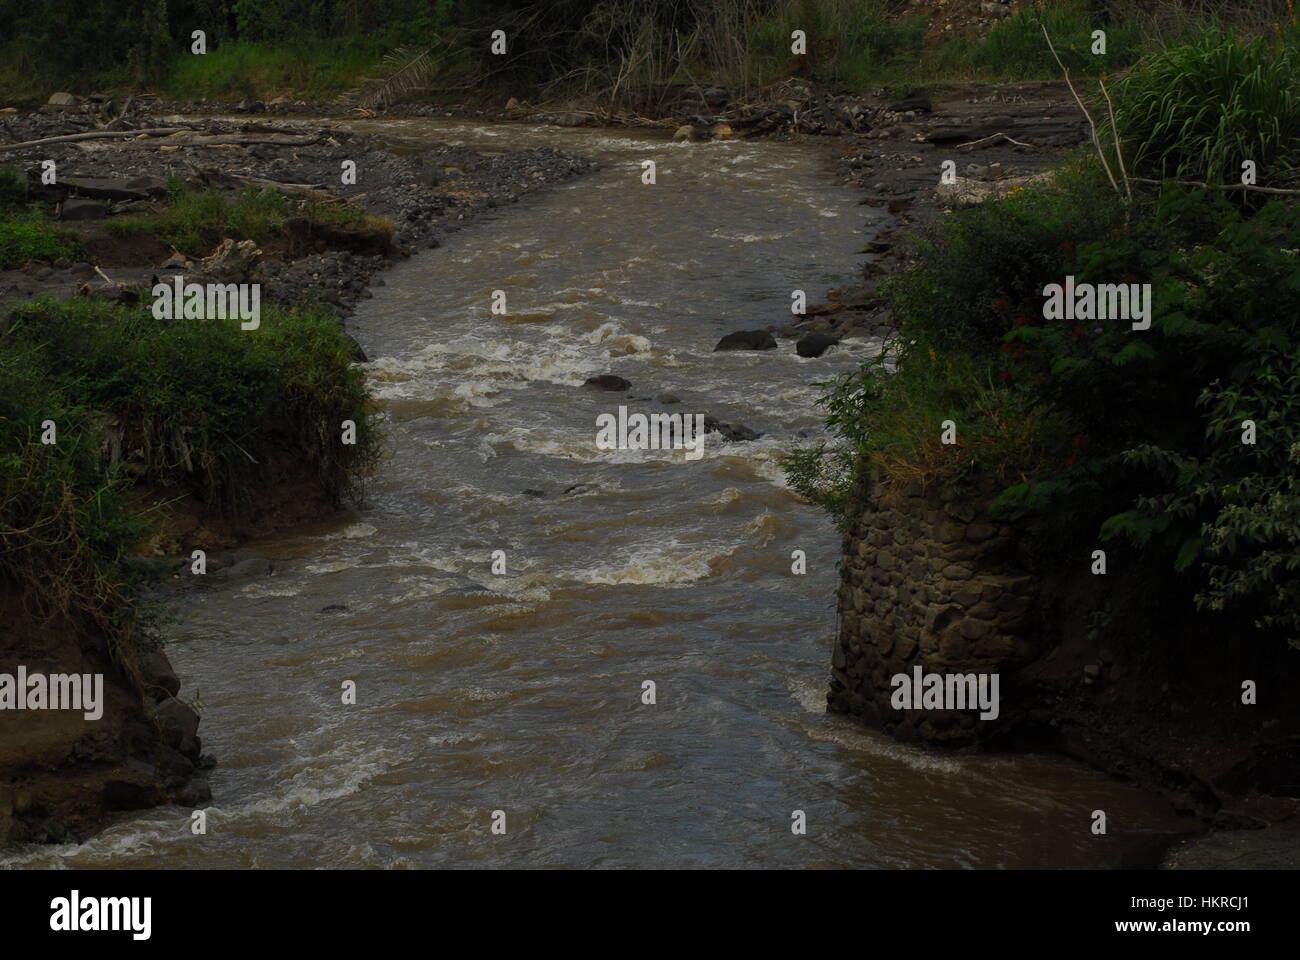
(427, 194)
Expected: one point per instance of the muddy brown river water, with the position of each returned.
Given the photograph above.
(521, 692)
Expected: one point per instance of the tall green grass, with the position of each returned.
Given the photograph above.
(30, 235)
(1197, 110)
(312, 69)
(1015, 49)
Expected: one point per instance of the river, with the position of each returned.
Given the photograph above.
(522, 692)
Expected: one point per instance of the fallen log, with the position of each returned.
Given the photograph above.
(94, 134)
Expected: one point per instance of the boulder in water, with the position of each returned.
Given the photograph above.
(730, 432)
(815, 344)
(607, 381)
(747, 340)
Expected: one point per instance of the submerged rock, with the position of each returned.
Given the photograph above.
(607, 381)
(730, 432)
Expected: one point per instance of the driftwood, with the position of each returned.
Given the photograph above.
(306, 188)
(222, 139)
(972, 144)
(95, 134)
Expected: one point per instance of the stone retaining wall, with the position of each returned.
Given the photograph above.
(927, 580)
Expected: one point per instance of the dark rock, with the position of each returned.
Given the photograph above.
(729, 431)
(103, 188)
(159, 676)
(336, 608)
(354, 349)
(915, 99)
(579, 488)
(179, 725)
(534, 493)
(77, 209)
(607, 381)
(815, 344)
(747, 340)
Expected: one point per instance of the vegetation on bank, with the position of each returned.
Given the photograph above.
(1181, 441)
(96, 397)
(605, 50)
(27, 233)
(192, 406)
(194, 220)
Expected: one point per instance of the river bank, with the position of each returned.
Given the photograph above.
(65, 779)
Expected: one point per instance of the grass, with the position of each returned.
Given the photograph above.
(1196, 111)
(194, 220)
(309, 69)
(29, 235)
(1015, 49)
(201, 406)
(205, 405)
(64, 527)
(25, 233)
(852, 45)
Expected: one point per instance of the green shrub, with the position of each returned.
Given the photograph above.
(1098, 430)
(13, 189)
(64, 525)
(963, 292)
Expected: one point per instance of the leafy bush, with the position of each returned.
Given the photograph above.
(13, 189)
(1138, 437)
(958, 294)
(64, 525)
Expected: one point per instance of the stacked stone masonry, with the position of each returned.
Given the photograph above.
(927, 579)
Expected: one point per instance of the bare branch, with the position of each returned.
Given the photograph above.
(1095, 142)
